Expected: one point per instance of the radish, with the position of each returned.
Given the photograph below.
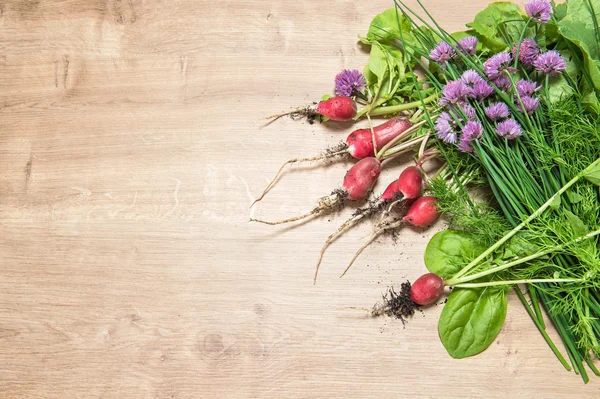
(359, 145)
(357, 185)
(360, 142)
(421, 213)
(339, 108)
(408, 186)
(427, 289)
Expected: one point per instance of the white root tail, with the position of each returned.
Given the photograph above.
(347, 224)
(379, 229)
(295, 160)
(325, 204)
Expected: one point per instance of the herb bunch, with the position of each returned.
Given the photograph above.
(518, 98)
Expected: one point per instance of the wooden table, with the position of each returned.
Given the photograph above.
(131, 147)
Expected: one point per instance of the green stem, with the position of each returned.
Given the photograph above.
(399, 138)
(534, 215)
(400, 148)
(542, 329)
(535, 303)
(392, 109)
(454, 281)
(519, 43)
(514, 282)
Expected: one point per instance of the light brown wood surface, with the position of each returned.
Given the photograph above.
(131, 146)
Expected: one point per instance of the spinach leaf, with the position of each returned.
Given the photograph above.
(448, 251)
(471, 320)
(578, 28)
(498, 20)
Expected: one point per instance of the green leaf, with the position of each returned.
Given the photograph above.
(574, 197)
(560, 11)
(471, 320)
(555, 204)
(593, 174)
(591, 103)
(520, 245)
(449, 250)
(387, 25)
(579, 228)
(578, 28)
(497, 20)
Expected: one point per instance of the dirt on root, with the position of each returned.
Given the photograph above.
(396, 304)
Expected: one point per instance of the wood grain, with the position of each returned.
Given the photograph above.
(131, 146)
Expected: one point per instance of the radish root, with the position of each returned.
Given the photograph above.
(345, 226)
(295, 113)
(379, 229)
(331, 202)
(339, 150)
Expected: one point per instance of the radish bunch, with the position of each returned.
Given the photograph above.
(360, 144)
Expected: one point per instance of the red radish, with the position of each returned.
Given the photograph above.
(427, 289)
(357, 185)
(410, 182)
(359, 145)
(360, 141)
(407, 187)
(338, 108)
(420, 214)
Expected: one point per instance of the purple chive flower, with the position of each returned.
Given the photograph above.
(527, 88)
(539, 10)
(349, 82)
(529, 103)
(481, 90)
(497, 111)
(468, 45)
(442, 52)
(470, 78)
(444, 127)
(528, 52)
(496, 64)
(454, 92)
(471, 131)
(551, 63)
(502, 82)
(509, 129)
(469, 111)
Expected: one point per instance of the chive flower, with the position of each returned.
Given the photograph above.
(481, 90)
(468, 45)
(469, 111)
(496, 111)
(471, 131)
(442, 52)
(528, 52)
(349, 82)
(529, 103)
(444, 127)
(502, 82)
(527, 88)
(509, 129)
(539, 10)
(456, 91)
(470, 78)
(550, 63)
(496, 64)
